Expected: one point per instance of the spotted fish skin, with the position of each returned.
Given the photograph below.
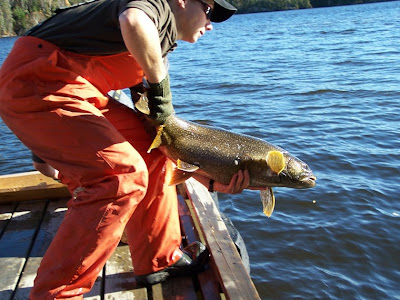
(218, 154)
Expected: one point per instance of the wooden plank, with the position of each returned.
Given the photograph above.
(33, 185)
(189, 233)
(208, 282)
(235, 281)
(120, 282)
(15, 244)
(30, 186)
(51, 222)
(175, 289)
(6, 211)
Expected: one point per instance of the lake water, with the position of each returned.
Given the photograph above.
(325, 85)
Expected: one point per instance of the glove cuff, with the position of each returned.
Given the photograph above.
(161, 88)
(160, 100)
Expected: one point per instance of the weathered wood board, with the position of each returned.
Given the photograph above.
(235, 281)
(28, 227)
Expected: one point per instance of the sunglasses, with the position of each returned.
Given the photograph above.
(207, 9)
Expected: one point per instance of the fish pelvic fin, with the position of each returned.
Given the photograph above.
(179, 176)
(157, 140)
(268, 201)
(276, 161)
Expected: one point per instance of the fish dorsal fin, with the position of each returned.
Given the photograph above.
(268, 201)
(179, 176)
(157, 140)
(276, 161)
(142, 104)
(186, 167)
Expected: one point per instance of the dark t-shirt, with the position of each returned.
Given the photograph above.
(92, 28)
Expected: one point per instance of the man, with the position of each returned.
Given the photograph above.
(53, 89)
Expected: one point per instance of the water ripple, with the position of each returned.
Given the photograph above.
(327, 92)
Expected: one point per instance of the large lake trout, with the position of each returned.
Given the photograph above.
(219, 154)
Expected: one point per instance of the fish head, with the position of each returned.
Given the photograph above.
(296, 174)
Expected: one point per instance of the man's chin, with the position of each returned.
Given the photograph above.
(192, 41)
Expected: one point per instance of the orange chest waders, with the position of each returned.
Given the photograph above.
(55, 103)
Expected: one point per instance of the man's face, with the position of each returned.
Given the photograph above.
(196, 20)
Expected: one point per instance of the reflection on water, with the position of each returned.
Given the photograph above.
(323, 84)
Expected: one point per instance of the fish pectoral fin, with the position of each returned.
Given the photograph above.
(157, 140)
(179, 176)
(186, 167)
(142, 104)
(268, 201)
(276, 161)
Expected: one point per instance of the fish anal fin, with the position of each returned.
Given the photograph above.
(157, 140)
(268, 201)
(179, 176)
(186, 167)
(276, 161)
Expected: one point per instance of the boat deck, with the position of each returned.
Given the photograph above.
(28, 226)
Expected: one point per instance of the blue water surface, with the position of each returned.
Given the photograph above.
(323, 84)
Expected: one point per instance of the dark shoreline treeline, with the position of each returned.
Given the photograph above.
(16, 16)
(250, 6)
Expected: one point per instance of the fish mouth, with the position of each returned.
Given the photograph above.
(309, 181)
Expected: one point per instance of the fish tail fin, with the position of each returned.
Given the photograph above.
(157, 140)
(179, 176)
(268, 201)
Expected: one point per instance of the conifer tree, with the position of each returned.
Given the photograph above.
(6, 19)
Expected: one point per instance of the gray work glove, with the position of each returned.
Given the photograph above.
(160, 101)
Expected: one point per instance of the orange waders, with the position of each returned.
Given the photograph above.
(54, 101)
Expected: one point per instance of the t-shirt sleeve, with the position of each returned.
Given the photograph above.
(160, 13)
(155, 10)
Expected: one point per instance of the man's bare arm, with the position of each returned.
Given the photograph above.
(141, 38)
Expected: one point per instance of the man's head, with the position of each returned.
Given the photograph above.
(194, 17)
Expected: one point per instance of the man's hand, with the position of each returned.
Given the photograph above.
(239, 182)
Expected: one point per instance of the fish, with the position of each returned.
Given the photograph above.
(218, 154)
